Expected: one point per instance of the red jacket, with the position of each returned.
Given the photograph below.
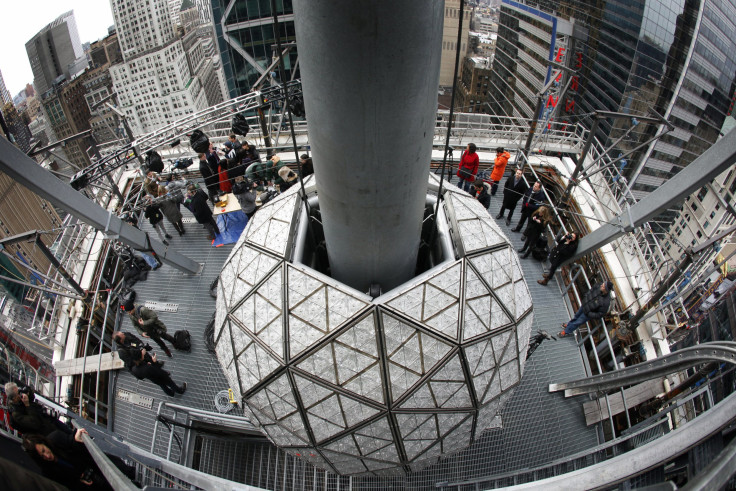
(499, 167)
(471, 162)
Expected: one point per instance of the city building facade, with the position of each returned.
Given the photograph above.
(154, 83)
(472, 89)
(245, 37)
(449, 40)
(643, 59)
(56, 51)
(4, 93)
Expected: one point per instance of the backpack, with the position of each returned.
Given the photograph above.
(199, 141)
(126, 300)
(182, 340)
(540, 250)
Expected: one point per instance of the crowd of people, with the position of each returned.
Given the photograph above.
(537, 210)
(235, 168)
(54, 446)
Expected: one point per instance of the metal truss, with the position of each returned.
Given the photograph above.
(182, 128)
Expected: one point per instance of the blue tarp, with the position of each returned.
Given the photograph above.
(231, 225)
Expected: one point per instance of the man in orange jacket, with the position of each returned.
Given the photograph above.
(499, 167)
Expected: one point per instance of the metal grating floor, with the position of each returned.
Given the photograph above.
(537, 427)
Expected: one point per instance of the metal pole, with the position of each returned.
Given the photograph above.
(27, 172)
(371, 128)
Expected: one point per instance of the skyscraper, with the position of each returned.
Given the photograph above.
(55, 51)
(245, 36)
(4, 94)
(675, 58)
(154, 83)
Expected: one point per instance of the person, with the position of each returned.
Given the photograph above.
(533, 199)
(65, 459)
(513, 190)
(273, 166)
(147, 367)
(564, 250)
(168, 207)
(499, 167)
(197, 204)
(537, 225)
(287, 177)
(150, 184)
(126, 343)
(233, 141)
(155, 218)
(481, 193)
(257, 174)
(26, 415)
(223, 177)
(307, 165)
(595, 305)
(468, 167)
(211, 180)
(148, 324)
(245, 193)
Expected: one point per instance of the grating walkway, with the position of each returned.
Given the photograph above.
(535, 426)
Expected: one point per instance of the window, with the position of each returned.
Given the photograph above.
(701, 194)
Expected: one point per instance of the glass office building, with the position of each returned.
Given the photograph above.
(245, 36)
(633, 57)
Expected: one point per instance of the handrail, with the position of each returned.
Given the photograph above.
(679, 360)
(114, 476)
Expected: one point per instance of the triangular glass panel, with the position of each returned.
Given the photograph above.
(310, 392)
(321, 364)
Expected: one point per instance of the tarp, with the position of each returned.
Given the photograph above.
(231, 225)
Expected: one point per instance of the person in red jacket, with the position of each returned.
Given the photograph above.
(468, 168)
(499, 167)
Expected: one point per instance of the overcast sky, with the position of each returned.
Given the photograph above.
(23, 19)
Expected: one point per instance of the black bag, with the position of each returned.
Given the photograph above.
(539, 250)
(466, 174)
(154, 162)
(182, 340)
(127, 298)
(199, 141)
(240, 126)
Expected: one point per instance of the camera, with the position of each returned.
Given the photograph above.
(29, 392)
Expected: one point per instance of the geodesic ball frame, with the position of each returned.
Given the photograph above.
(372, 386)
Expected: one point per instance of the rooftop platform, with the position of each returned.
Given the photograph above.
(535, 426)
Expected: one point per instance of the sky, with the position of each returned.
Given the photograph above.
(25, 19)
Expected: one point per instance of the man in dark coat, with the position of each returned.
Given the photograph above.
(481, 193)
(155, 218)
(210, 178)
(513, 190)
(197, 204)
(146, 366)
(128, 342)
(26, 415)
(148, 324)
(306, 165)
(595, 305)
(533, 199)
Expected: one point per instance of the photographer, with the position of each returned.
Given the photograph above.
(128, 342)
(26, 415)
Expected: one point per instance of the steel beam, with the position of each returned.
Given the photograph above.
(27, 172)
(710, 164)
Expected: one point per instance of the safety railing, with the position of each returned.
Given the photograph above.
(651, 444)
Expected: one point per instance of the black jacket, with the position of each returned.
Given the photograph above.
(512, 194)
(562, 251)
(73, 460)
(595, 304)
(31, 419)
(153, 213)
(532, 200)
(199, 207)
(484, 197)
(130, 343)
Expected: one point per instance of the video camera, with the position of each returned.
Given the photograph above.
(28, 390)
